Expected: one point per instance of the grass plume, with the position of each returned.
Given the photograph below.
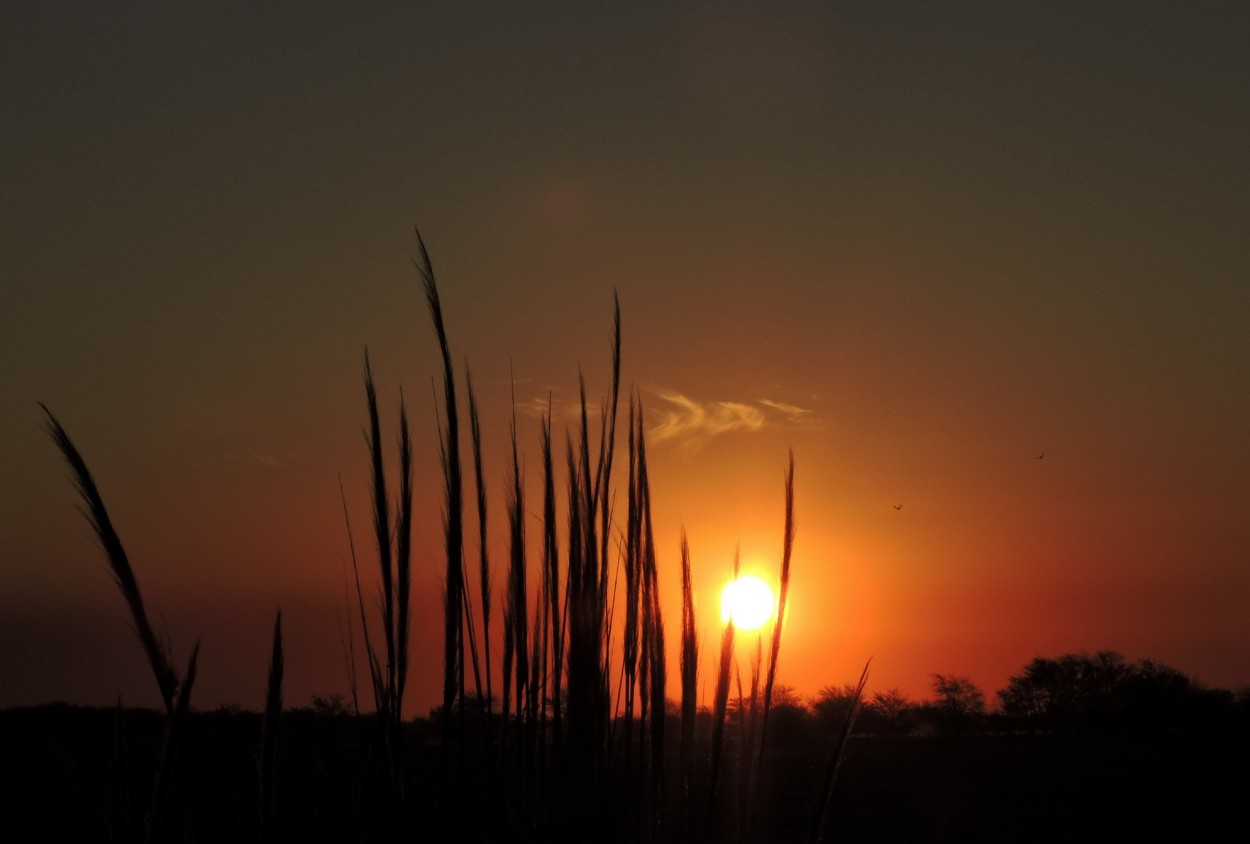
(115, 554)
(453, 529)
(175, 693)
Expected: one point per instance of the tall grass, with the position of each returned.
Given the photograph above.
(389, 669)
(563, 758)
(570, 749)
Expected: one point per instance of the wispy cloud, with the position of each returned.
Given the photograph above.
(690, 422)
(790, 411)
(563, 409)
(681, 420)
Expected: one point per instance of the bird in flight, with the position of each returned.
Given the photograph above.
(898, 506)
(1040, 456)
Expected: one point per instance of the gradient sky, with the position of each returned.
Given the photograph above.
(919, 243)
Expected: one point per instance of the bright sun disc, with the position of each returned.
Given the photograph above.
(749, 601)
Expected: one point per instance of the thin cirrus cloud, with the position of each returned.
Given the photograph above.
(684, 421)
(792, 412)
(558, 408)
(690, 423)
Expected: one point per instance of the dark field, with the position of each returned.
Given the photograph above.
(1037, 788)
(65, 775)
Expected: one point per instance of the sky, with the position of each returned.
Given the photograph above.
(921, 245)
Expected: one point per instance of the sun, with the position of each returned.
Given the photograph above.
(749, 601)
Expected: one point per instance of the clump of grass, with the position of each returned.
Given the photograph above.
(381, 797)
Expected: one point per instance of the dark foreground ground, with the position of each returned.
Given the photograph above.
(1038, 788)
(70, 774)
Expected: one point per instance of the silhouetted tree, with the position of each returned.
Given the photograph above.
(960, 705)
(1071, 691)
(332, 704)
(1157, 696)
(1102, 692)
(831, 704)
(784, 695)
(790, 719)
(887, 713)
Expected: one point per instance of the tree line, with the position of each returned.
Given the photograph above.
(1075, 692)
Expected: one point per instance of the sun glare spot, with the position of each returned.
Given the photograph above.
(748, 601)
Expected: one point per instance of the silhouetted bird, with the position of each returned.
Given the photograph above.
(1040, 456)
(898, 506)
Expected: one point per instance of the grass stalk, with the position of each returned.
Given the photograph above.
(375, 668)
(484, 580)
(816, 829)
(175, 693)
(517, 612)
(403, 571)
(453, 532)
(720, 704)
(633, 566)
(654, 624)
(347, 641)
(164, 790)
(689, 686)
(749, 720)
(115, 554)
(551, 579)
(269, 737)
(607, 446)
(787, 546)
(382, 538)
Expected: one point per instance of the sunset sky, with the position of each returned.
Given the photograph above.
(920, 244)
